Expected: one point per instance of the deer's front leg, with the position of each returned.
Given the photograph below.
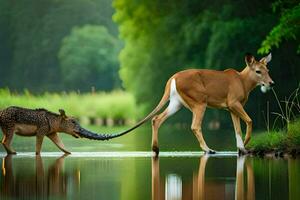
(198, 113)
(238, 110)
(238, 133)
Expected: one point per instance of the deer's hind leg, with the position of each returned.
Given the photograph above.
(173, 107)
(157, 121)
(198, 113)
(239, 111)
(8, 134)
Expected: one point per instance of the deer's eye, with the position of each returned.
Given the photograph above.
(258, 71)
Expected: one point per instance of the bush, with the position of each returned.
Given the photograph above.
(277, 140)
(268, 141)
(294, 133)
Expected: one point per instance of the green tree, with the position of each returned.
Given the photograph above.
(288, 27)
(89, 53)
(163, 37)
(5, 50)
(31, 33)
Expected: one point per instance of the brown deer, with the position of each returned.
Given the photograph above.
(197, 89)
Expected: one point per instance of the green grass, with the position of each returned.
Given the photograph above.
(277, 140)
(115, 105)
(287, 140)
(294, 133)
(268, 141)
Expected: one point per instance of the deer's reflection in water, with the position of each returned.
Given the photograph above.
(40, 184)
(171, 187)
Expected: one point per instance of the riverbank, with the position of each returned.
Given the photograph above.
(277, 143)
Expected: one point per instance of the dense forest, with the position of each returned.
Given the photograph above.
(163, 37)
(76, 45)
(54, 45)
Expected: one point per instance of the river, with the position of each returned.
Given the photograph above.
(139, 175)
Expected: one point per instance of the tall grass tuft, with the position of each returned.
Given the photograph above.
(289, 107)
(287, 139)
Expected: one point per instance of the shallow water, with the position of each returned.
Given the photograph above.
(138, 175)
(124, 168)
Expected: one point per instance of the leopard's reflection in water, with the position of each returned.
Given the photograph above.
(40, 183)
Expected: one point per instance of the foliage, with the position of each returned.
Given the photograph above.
(160, 38)
(97, 105)
(163, 37)
(287, 138)
(277, 140)
(89, 53)
(287, 28)
(294, 132)
(289, 107)
(31, 34)
(268, 141)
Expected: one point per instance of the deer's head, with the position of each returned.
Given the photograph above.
(259, 71)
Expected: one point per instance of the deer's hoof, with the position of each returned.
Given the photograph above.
(210, 151)
(67, 152)
(11, 152)
(155, 149)
(242, 151)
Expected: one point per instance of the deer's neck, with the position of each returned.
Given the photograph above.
(248, 80)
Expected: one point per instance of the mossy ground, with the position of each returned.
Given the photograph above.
(278, 141)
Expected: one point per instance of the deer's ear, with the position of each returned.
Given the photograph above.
(62, 113)
(249, 59)
(266, 59)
